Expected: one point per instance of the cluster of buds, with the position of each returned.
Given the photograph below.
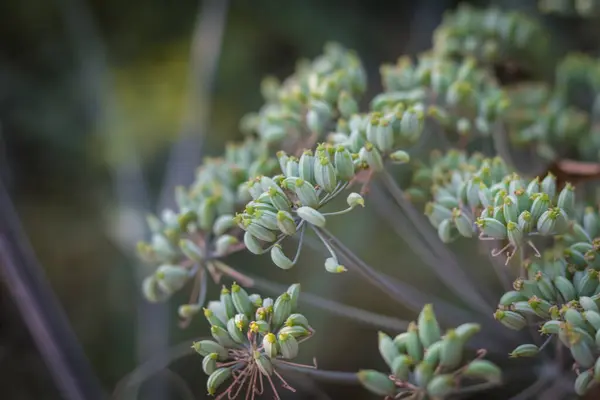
(251, 337)
(285, 204)
(581, 8)
(200, 228)
(310, 100)
(491, 35)
(561, 296)
(425, 364)
(463, 97)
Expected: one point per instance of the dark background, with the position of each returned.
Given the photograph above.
(88, 87)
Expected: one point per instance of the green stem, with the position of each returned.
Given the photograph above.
(346, 211)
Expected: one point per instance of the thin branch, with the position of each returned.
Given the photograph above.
(339, 377)
(42, 314)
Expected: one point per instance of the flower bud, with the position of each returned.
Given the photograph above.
(387, 349)
(492, 228)
(581, 351)
(401, 367)
(252, 244)
(429, 329)
(510, 319)
(441, 385)
(548, 185)
(565, 287)
(540, 204)
(236, 334)
(288, 346)
(511, 297)
(584, 380)
(286, 223)
(311, 216)
(297, 320)
(222, 336)
(306, 167)
(296, 331)
(467, 330)
(209, 363)
(422, 374)
(292, 168)
(306, 193)
(212, 318)
(171, 278)
(270, 345)
(588, 283)
(325, 175)
(593, 318)
(294, 292)
(566, 199)
(463, 223)
(279, 258)
(206, 347)
(590, 222)
(346, 104)
(260, 327)
(451, 350)
(355, 199)
(344, 166)
(188, 310)
(414, 347)
(281, 310)
(279, 200)
(263, 363)
(411, 124)
(152, 291)
(400, 157)
(217, 378)
(369, 154)
(525, 222)
(241, 301)
(445, 230)
(224, 243)
(376, 382)
(483, 369)
(259, 231)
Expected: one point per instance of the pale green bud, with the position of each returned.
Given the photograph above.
(306, 193)
(270, 345)
(171, 278)
(296, 331)
(581, 351)
(188, 310)
(294, 292)
(429, 328)
(432, 355)
(588, 283)
(400, 157)
(369, 154)
(387, 349)
(565, 287)
(325, 175)
(311, 216)
(224, 243)
(441, 385)
(525, 350)
(492, 228)
(593, 318)
(241, 301)
(216, 379)
(227, 303)
(260, 232)
(152, 291)
(355, 199)
(288, 346)
(515, 235)
(235, 333)
(286, 223)
(451, 350)
(261, 327)
(540, 204)
(306, 167)
(551, 327)
(463, 223)
(206, 347)
(222, 336)
(346, 104)
(584, 380)
(209, 363)
(376, 382)
(525, 222)
(483, 369)
(292, 167)
(279, 258)
(423, 374)
(445, 230)
(511, 297)
(548, 185)
(510, 319)
(241, 322)
(207, 212)
(279, 200)
(414, 347)
(588, 304)
(222, 224)
(332, 265)
(263, 363)
(297, 320)
(212, 318)
(466, 331)
(344, 166)
(411, 124)
(281, 310)
(590, 222)
(566, 199)
(252, 244)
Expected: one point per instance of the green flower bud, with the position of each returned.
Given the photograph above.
(263, 363)
(261, 314)
(525, 222)
(346, 104)
(241, 301)
(400, 157)
(545, 286)
(441, 385)
(325, 175)
(463, 223)
(222, 224)
(279, 200)
(551, 327)
(584, 380)
(414, 347)
(296, 331)
(252, 244)
(188, 310)
(224, 243)
(209, 363)
(483, 369)
(217, 378)
(548, 185)
(588, 283)
(241, 322)
(429, 329)
(207, 213)
(355, 199)
(306, 193)
(384, 139)
(401, 367)
(376, 382)
(467, 330)
(292, 168)
(281, 310)
(565, 287)
(294, 292)
(411, 124)
(206, 347)
(288, 346)
(191, 250)
(311, 216)
(437, 213)
(492, 228)
(259, 231)
(369, 154)
(270, 345)
(344, 166)
(510, 209)
(566, 199)
(279, 258)
(212, 319)
(590, 222)
(525, 350)
(221, 336)
(171, 278)
(546, 225)
(445, 230)
(588, 304)
(511, 297)
(267, 219)
(540, 204)
(286, 223)
(451, 350)
(306, 167)
(510, 319)
(581, 351)
(423, 374)
(151, 290)
(260, 327)
(400, 341)
(333, 266)
(387, 349)
(533, 187)
(297, 320)
(578, 232)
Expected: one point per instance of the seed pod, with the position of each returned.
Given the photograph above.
(525, 350)
(288, 346)
(217, 378)
(512, 296)
(263, 363)
(422, 374)
(355, 199)
(281, 310)
(295, 331)
(241, 301)
(376, 382)
(205, 347)
(510, 319)
(270, 345)
(550, 327)
(325, 174)
(344, 166)
(279, 258)
(400, 157)
(252, 244)
(369, 154)
(311, 216)
(483, 369)
(171, 278)
(583, 382)
(191, 250)
(429, 329)
(259, 231)
(212, 319)
(565, 287)
(209, 363)
(492, 228)
(279, 200)
(414, 347)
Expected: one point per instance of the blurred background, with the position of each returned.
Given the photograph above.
(95, 98)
